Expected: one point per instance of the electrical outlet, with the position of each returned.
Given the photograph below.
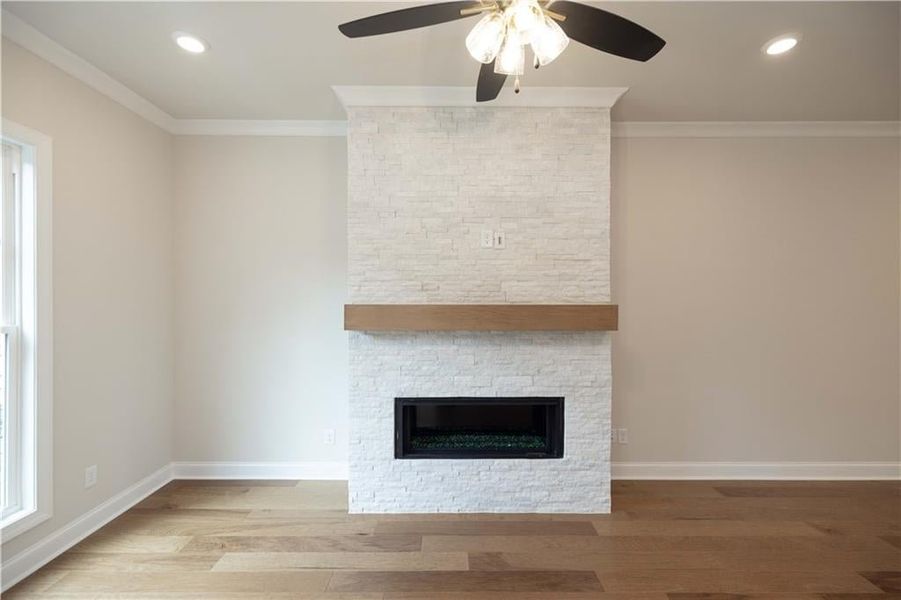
(622, 436)
(500, 239)
(612, 435)
(328, 436)
(90, 476)
(487, 240)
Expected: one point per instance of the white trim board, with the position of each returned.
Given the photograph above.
(36, 42)
(400, 95)
(23, 34)
(802, 471)
(621, 129)
(314, 470)
(241, 127)
(37, 322)
(34, 557)
(755, 129)
(28, 561)
(769, 471)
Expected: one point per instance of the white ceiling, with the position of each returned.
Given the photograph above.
(278, 60)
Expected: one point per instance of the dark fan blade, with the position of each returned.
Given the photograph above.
(607, 32)
(490, 83)
(407, 18)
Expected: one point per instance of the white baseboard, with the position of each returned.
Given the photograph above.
(337, 470)
(327, 470)
(36, 556)
(814, 471)
(31, 559)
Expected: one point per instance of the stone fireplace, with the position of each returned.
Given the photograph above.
(425, 184)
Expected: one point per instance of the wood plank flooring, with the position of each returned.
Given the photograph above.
(225, 540)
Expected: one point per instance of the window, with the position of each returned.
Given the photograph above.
(11, 408)
(25, 330)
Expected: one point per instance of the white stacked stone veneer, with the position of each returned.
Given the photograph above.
(423, 184)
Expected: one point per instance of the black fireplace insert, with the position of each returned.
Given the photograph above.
(470, 427)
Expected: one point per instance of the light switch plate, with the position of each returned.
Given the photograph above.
(500, 239)
(487, 238)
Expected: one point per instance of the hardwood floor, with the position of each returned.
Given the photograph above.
(664, 540)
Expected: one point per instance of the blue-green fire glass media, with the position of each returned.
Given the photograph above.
(473, 427)
(430, 439)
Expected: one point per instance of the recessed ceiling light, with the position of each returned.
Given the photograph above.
(781, 44)
(189, 43)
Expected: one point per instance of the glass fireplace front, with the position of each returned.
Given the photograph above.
(473, 427)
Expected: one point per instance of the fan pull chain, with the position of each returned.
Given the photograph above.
(516, 84)
(535, 61)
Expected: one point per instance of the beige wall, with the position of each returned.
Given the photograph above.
(261, 247)
(112, 284)
(758, 284)
(758, 280)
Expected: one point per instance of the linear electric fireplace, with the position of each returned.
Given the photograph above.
(471, 427)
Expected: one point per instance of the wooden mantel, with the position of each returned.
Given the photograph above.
(481, 317)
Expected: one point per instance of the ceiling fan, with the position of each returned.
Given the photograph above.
(499, 39)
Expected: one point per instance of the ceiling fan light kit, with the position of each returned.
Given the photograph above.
(512, 56)
(550, 41)
(505, 31)
(499, 39)
(484, 41)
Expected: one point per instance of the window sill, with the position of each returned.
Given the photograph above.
(20, 522)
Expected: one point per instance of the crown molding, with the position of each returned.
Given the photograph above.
(23, 34)
(755, 129)
(298, 128)
(392, 95)
(621, 129)
(19, 32)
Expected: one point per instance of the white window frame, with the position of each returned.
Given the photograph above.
(33, 335)
(10, 321)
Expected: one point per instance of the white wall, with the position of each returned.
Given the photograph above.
(112, 284)
(261, 246)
